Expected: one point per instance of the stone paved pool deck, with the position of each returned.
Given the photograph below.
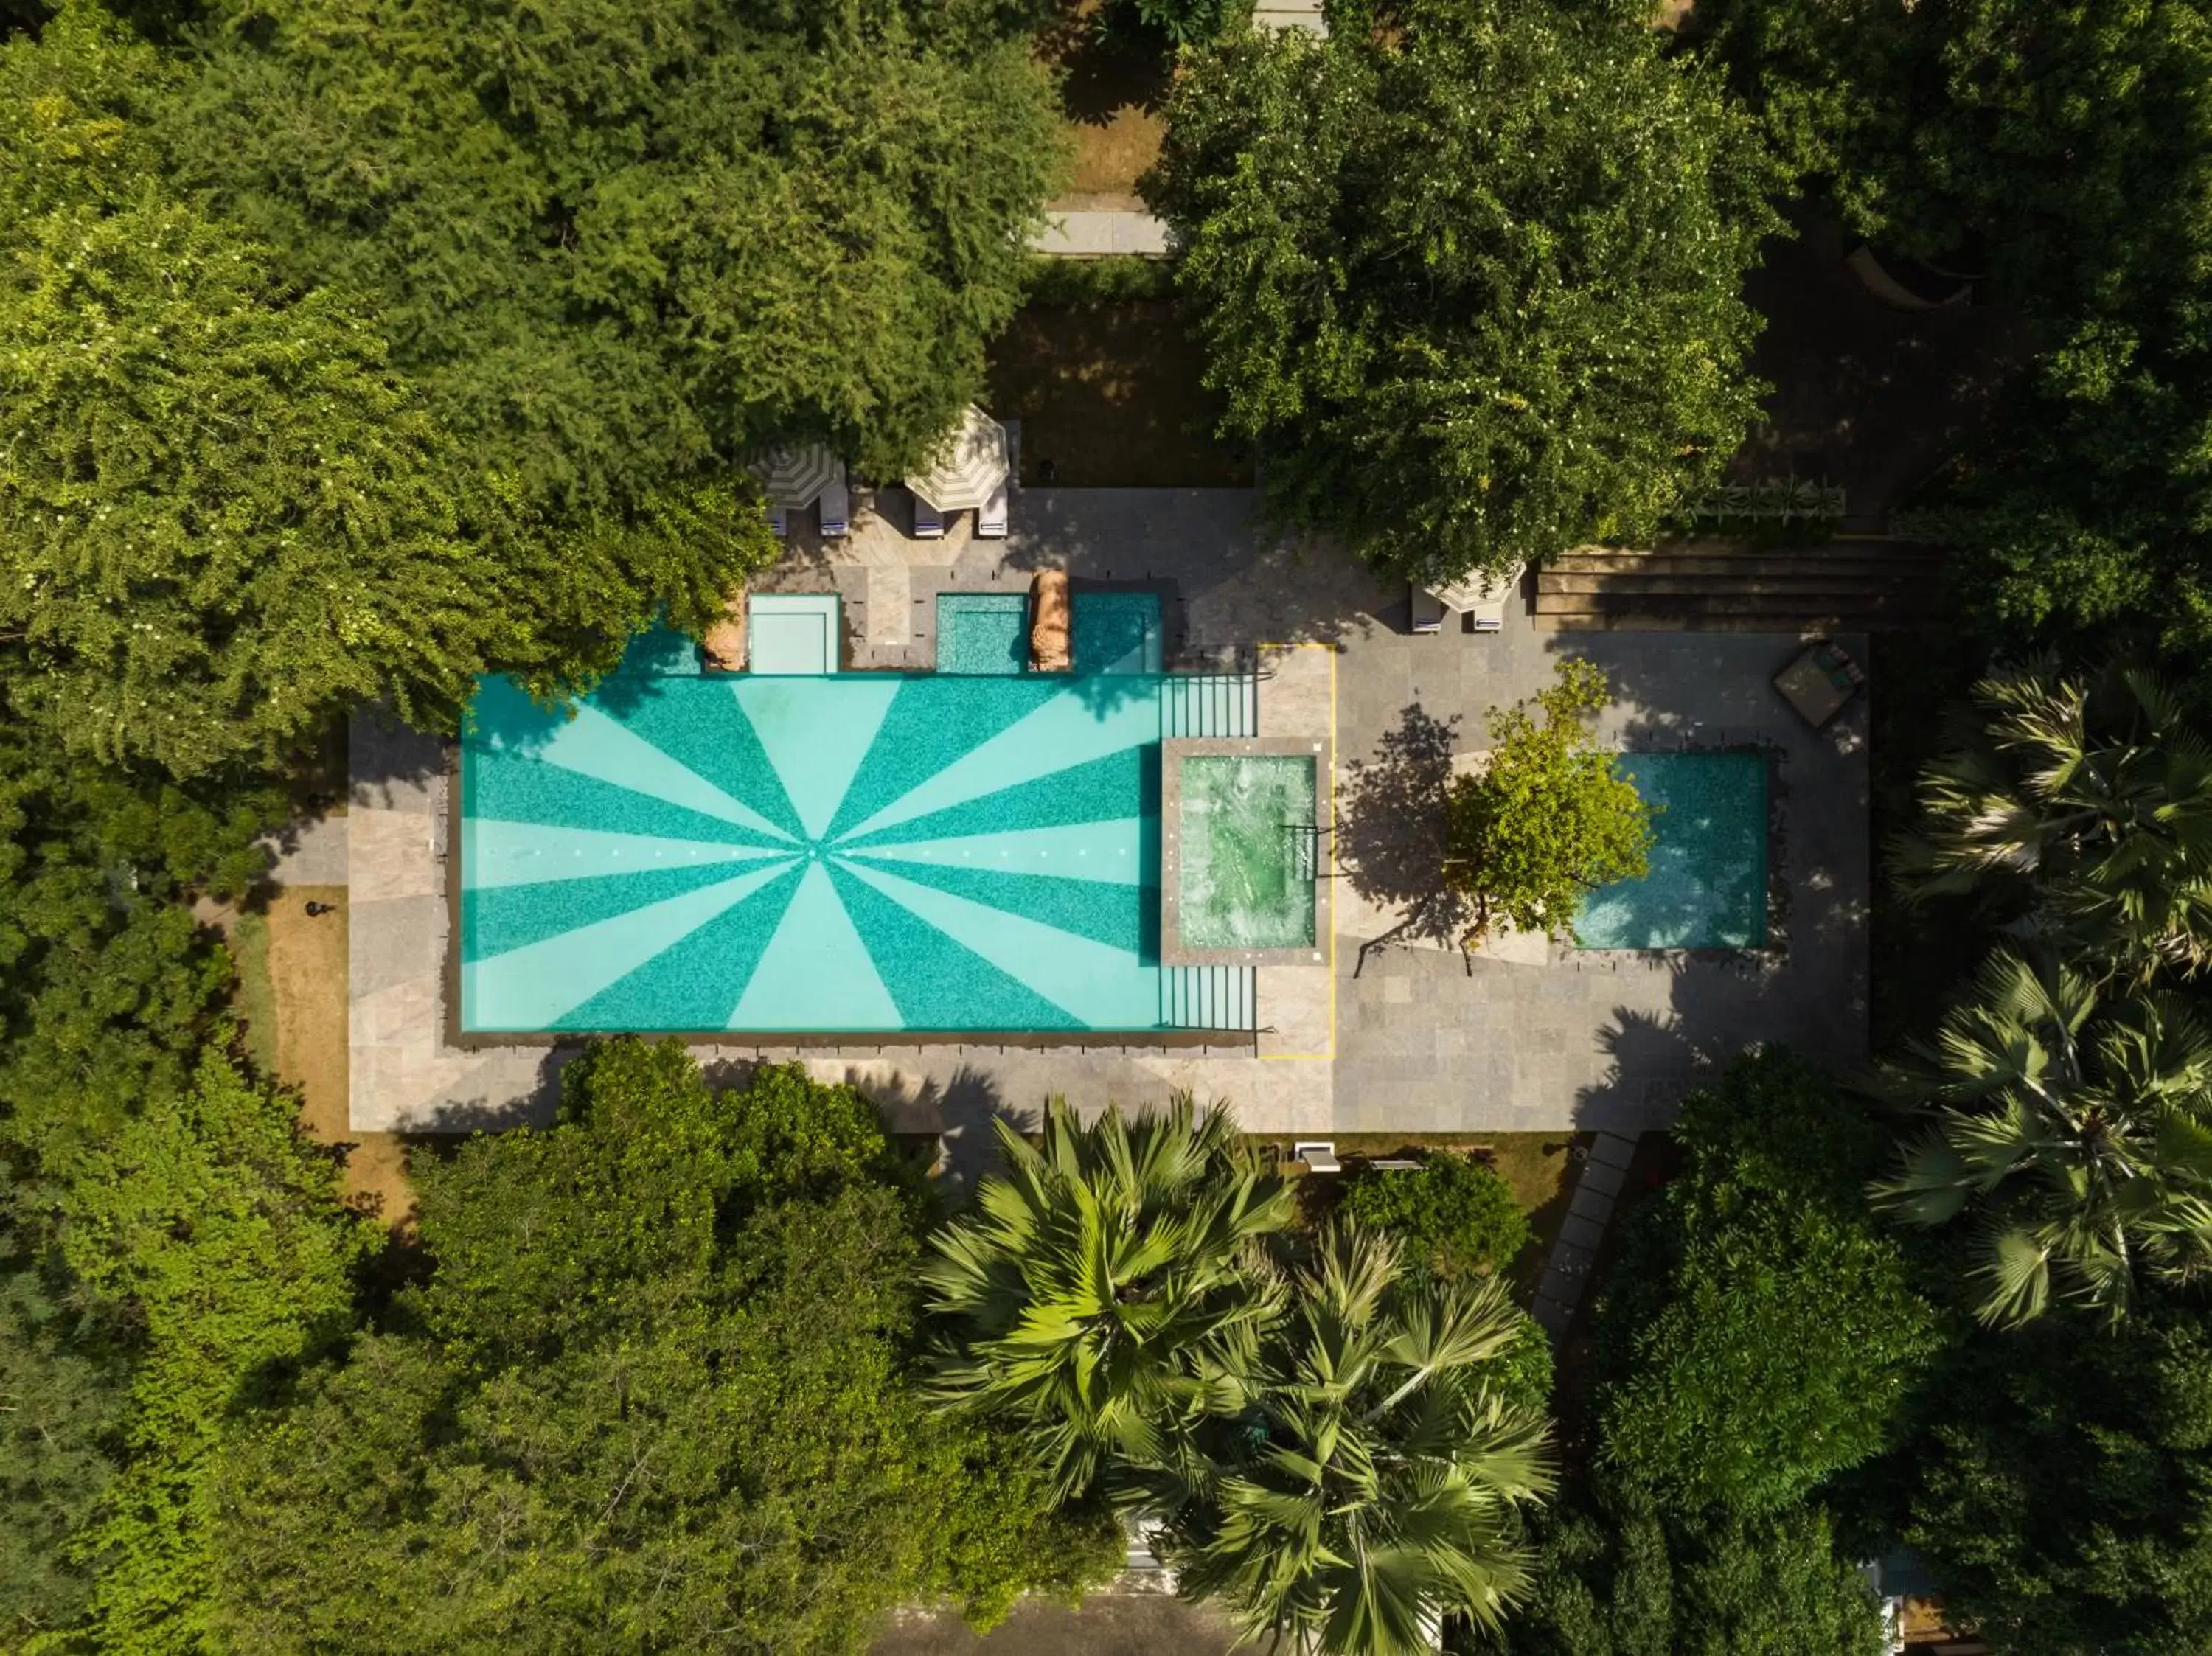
(1395, 1033)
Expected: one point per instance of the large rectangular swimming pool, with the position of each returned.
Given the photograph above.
(851, 853)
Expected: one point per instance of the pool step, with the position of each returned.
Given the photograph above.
(1211, 704)
(1209, 998)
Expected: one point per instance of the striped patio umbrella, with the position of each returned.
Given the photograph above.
(970, 465)
(794, 477)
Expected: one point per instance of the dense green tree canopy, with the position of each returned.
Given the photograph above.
(108, 989)
(2062, 1491)
(1760, 1333)
(657, 1389)
(620, 245)
(1470, 280)
(1618, 1575)
(225, 514)
(62, 1400)
(1545, 821)
(1453, 1216)
(2065, 147)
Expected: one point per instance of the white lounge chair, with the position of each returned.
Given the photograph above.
(1428, 613)
(837, 506)
(929, 523)
(778, 524)
(991, 521)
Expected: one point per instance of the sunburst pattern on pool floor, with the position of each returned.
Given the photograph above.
(859, 853)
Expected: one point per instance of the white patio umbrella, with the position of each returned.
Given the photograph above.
(1476, 589)
(795, 478)
(969, 468)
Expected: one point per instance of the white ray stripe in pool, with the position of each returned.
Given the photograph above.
(1061, 734)
(816, 733)
(535, 986)
(1101, 986)
(605, 749)
(815, 973)
(1112, 853)
(496, 852)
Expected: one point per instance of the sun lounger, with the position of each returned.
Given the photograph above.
(778, 524)
(928, 525)
(1427, 613)
(837, 506)
(991, 521)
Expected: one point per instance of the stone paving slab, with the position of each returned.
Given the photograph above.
(308, 852)
(1078, 234)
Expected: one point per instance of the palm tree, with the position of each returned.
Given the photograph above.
(2093, 799)
(1375, 1488)
(2080, 1129)
(1108, 1288)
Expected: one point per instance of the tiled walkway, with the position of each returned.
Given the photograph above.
(1590, 1209)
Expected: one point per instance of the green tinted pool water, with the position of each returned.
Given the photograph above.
(1707, 886)
(1248, 853)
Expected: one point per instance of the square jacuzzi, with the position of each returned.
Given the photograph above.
(1242, 848)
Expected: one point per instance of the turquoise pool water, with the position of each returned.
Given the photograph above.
(1247, 869)
(791, 634)
(1707, 886)
(982, 633)
(1117, 633)
(854, 853)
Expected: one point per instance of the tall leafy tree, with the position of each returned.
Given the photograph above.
(1621, 1574)
(1545, 821)
(1376, 1486)
(2078, 1126)
(109, 989)
(2084, 802)
(2063, 1490)
(658, 1391)
(1107, 1290)
(1470, 275)
(621, 245)
(212, 1240)
(1760, 1334)
(62, 1399)
(226, 516)
(2065, 147)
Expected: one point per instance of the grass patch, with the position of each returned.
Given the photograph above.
(1535, 1165)
(306, 972)
(1112, 96)
(1108, 396)
(255, 997)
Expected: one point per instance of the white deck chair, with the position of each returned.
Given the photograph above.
(991, 521)
(929, 523)
(779, 524)
(837, 506)
(1428, 613)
